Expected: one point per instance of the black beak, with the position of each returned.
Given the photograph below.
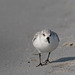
(48, 40)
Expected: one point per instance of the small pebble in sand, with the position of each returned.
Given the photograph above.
(28, 61)
(72, 44)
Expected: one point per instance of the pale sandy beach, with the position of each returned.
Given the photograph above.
(20, 20)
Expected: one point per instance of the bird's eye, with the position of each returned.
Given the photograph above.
(43, 34)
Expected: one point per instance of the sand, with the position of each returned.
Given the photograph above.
(20, 20)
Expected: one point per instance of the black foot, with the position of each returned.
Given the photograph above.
(39, 65)
(47, 61)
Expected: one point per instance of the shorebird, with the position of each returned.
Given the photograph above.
(45, 41)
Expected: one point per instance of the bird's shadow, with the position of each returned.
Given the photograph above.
(64, 59)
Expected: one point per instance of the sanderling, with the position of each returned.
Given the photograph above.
(45, 41)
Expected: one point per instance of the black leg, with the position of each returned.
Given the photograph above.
(40, 64)
(47, 60)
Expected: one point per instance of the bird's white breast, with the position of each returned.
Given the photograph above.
(43, 46)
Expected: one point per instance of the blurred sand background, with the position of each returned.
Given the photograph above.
(20, 20)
